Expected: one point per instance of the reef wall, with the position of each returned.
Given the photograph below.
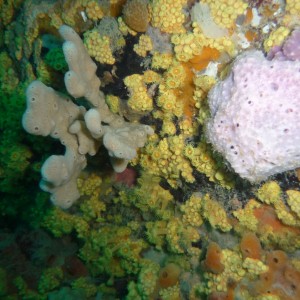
(166, 182)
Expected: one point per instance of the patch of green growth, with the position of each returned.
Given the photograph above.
(55, 59)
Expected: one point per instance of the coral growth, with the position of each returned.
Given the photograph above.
(138, 112)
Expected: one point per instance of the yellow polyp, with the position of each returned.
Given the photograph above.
(269, 193)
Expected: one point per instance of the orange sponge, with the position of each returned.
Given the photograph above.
(201, 61)
(282, 279)
(277, 260)
(169, 275)
(213, 259)
(135, 15)
(250, 246)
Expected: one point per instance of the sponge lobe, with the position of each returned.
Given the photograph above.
(255, 116)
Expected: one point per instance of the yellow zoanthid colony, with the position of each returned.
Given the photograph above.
(145, 207)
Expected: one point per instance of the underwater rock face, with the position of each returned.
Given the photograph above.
(255, 116)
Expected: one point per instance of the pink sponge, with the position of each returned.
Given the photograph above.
(291, 47)
(289, 50)
(255, 116)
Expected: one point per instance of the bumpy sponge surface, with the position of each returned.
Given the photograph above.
(255, 120)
